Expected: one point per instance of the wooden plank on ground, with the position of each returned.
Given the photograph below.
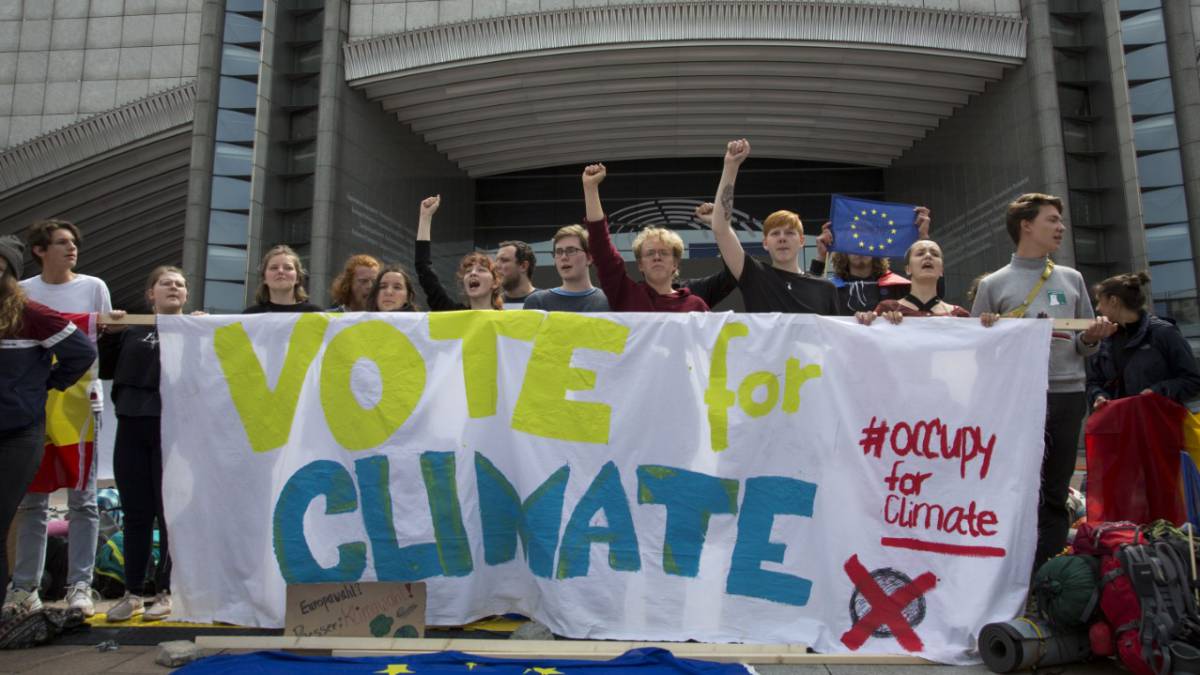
(560, 649)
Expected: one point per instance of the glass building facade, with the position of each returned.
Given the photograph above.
(1160, 174)
(228, 226)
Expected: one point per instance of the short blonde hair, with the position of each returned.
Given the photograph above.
(572, 231)
(783, 219)
(668, 237)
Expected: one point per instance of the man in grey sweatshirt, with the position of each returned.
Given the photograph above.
(1031, 285)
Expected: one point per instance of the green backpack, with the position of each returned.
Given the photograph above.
(1067, 589)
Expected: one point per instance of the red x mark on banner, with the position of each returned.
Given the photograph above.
(885, 609)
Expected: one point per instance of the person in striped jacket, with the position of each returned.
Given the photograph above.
(39, 350)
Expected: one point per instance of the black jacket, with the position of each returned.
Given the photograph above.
(130, 360)
(1155, 356)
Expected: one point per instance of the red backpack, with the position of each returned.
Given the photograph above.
(1118, 600)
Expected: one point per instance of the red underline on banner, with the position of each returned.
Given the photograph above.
(945, 549)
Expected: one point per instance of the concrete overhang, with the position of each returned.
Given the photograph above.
(121, 176)
(848, 83)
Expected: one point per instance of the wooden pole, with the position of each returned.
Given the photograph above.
(557, 649)
(149, 320)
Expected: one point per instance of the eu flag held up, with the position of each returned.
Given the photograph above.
(876, 229)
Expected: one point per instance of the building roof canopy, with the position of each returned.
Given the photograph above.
(850, 83)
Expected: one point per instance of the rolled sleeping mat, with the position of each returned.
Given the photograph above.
(1026, 643)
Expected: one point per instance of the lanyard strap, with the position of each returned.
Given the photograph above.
(1020, 311)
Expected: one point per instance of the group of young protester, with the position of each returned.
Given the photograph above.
(1123, 352)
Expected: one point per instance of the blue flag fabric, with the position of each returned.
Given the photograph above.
(647, 661)
(877, 229)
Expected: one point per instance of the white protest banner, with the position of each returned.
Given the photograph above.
(717, 477)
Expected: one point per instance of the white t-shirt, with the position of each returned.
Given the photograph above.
(82, 295)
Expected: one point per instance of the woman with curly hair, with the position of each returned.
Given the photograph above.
(478, 278)
(392, 291)
(281, 284)
(863, 281)
(350, 289)
(39, 350)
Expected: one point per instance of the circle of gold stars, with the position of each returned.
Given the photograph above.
(882, 217)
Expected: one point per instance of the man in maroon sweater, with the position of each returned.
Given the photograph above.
(657, 250)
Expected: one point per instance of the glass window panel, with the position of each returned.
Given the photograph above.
(1134, 5)
(1156, 133)
(237, 93)
(1160, 169)
(232, 160)
(1186, 313)
(230, 194)
(1171, 279)
(223, 297)
(226, 263)
(1089, 244)
(1143, 29)
(1164, 206)
(237, 60)
(1168, 242)
(1152, 98)
(245, 6)
(228, 228)
(1148, 63)
(244, 30)
(235, 126)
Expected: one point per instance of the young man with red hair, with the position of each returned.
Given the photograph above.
(781, 286)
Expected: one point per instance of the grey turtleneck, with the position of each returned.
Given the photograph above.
(1063, 296)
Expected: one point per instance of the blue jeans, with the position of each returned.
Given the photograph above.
(31, 522)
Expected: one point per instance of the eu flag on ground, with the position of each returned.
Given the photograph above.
(877, 229)
(645, 661)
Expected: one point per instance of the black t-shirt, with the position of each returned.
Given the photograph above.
(767, 289)
(862, 294)
(264, 307)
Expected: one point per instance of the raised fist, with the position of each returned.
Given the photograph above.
(737, 151)
(593, 175)
(429, 205)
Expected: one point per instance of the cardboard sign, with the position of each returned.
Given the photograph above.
(366, 609)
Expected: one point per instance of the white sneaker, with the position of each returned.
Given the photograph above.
(22, 602)
(79, 596)
(160, 607)
(127, 608)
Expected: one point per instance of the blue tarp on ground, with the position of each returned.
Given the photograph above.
(648, 661)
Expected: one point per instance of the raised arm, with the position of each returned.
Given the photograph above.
(736, 152)
(593, 175)
(435, 294)
(429, 206)
(610, 267)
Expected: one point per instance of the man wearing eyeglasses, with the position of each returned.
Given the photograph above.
(574, 265)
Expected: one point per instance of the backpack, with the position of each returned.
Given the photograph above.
(1169, 626)
(1119, 603)
(1067, 590)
